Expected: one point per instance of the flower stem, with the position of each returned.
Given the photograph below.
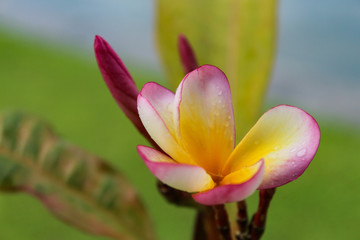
(222, 221)
(242, 220)
(257, 227)
(205, 225)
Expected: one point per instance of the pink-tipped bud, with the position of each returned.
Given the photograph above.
(187, 54)
(119, 82)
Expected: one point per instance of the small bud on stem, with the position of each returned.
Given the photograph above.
(187, 55)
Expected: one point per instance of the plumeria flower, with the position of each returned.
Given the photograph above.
(195, 130)
(198, 153)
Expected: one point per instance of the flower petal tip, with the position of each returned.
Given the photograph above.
(297, 156)
(97, 41)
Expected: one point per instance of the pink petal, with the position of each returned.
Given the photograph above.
(162, 100)
(155, 105)
(204, 117)
(187, 55)
(189, 178)
(232, 192)
(119, 82)
(287, 139)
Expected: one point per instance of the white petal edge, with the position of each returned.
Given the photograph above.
(156, 126)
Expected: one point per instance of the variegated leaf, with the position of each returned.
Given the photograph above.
(74, 185)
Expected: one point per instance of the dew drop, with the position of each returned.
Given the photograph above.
(301, 153)
(220, 92)
(293, 150)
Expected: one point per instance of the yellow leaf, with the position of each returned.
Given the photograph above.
(238, 36)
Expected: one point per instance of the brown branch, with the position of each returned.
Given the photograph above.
(257, 227)
(199, 228)
(222, 221)
(205, 226)
(242, 220)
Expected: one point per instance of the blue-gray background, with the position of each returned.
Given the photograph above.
(318, 61)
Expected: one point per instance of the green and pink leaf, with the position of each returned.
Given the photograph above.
(77, 187)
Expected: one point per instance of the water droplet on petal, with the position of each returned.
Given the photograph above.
(301, 153)
(256, 142)
(220, 92)
(293, 150)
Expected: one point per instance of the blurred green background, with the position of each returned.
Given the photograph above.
(59, 81)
